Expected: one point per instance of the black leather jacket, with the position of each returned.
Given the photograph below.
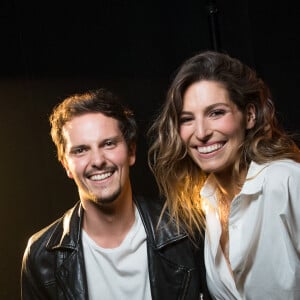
(53, 264)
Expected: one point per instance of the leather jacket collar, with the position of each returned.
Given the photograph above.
(68, 235)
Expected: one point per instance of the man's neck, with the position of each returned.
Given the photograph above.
(108, 225)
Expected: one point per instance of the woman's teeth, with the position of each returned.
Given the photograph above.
(209, 149)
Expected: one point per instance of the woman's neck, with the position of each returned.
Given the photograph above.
(229, 185)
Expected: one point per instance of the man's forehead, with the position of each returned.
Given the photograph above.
(91, 125)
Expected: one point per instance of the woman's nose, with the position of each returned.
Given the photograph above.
(202, 130)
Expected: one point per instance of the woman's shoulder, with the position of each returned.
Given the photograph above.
(282, 173)
(283, 167)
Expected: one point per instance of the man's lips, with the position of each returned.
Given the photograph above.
(210, 148)
(101, 176)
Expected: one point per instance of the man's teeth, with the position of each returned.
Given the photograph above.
(208, 149)
(101, 176)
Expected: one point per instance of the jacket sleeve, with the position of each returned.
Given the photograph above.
(30, 287)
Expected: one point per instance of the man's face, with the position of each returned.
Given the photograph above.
(97, 158)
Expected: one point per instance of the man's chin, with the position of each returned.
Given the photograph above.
(107, 200)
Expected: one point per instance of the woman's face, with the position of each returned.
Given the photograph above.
(212, 126)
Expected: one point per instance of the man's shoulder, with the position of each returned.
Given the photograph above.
(151, 204)
(157, 221)
(151, 208)
(39, 240)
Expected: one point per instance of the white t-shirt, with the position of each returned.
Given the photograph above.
(120, 273)
(264, 236)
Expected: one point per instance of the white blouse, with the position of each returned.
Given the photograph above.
(264, 236)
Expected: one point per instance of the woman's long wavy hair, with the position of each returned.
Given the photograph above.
(179, 179)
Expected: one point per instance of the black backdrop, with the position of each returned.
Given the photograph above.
(51, 50)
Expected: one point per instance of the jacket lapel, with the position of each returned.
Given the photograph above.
(161, 252)
(71, 277)
(65, 241)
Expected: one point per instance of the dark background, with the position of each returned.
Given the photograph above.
(51, 50)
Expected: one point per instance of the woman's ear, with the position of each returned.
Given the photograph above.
(250, 116)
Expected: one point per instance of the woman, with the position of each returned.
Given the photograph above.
(223, 163)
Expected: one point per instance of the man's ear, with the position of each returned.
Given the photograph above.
(66, 167)
(250, 116)
(132, 153)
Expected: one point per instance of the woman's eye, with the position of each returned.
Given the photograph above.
(110, 144)
(217, 112)
(185, 119)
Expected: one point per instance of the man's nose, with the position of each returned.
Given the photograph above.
(97, 158)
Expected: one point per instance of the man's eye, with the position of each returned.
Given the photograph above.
(78, 150)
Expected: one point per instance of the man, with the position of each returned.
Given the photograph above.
(111, 244)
